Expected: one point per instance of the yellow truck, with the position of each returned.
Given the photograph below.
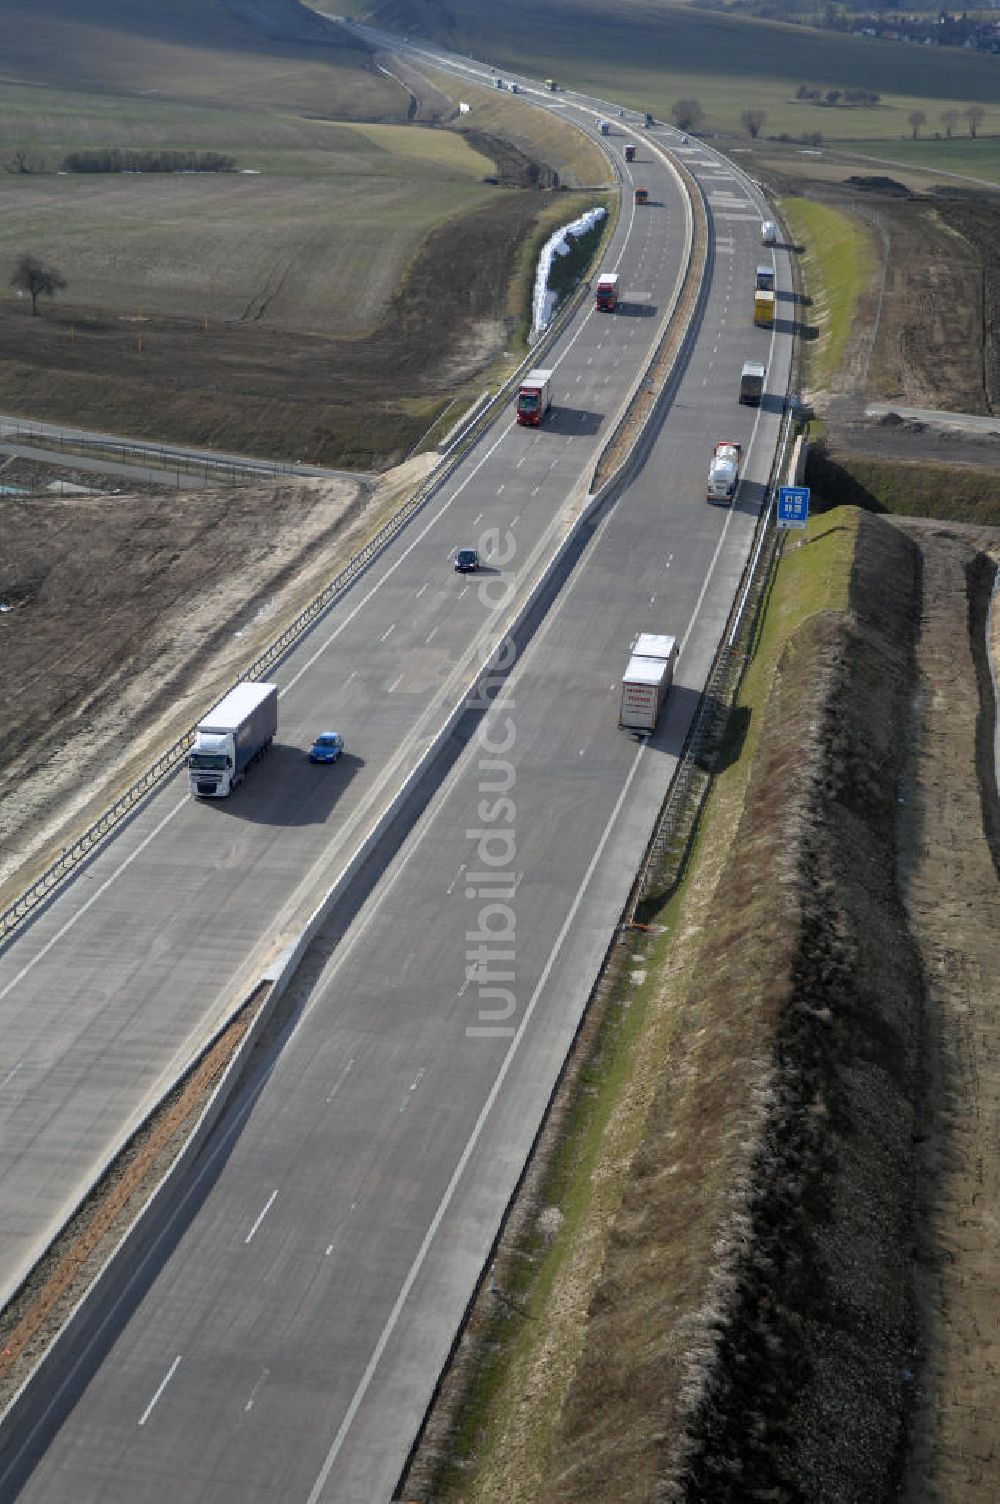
(763, 308)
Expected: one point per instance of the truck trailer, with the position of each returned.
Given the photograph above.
(752, 382)
(763, 309)
(647, 679)
(724, 471)
(534, 398)
(630, 153)
(232, 737)
(606, 292)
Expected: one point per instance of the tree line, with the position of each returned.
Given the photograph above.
(119, 159)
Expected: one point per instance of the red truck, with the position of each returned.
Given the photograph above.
(606, 292)
(534, 398)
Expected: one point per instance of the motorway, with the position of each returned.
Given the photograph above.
(286, 1336)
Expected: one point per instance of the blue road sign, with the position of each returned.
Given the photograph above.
(793, 506)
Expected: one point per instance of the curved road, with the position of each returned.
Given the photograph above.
(111, 990)
(288, 1330)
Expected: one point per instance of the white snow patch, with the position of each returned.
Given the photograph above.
(543, 303)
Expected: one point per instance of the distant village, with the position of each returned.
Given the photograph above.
(929, 31)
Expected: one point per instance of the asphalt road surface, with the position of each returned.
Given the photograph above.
(287, 1333)
(111, 990)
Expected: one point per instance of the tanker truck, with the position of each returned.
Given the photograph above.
(724, 471)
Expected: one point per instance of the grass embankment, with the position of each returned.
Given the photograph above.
(838, 264)
(649, 56)
(671, 1223)
(953, 493)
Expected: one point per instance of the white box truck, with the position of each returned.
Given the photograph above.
(232, 737)
(649, 675)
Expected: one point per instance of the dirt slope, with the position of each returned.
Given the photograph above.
(796, 1299)
(949, 853)
(126, 616)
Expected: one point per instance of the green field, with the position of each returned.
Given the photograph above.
(648, 54)
(961, 157)
(133, 52)
(325, 214)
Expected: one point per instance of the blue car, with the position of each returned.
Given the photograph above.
(327, 747)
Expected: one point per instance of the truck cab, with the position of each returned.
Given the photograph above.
(642, 195)
(764, 278)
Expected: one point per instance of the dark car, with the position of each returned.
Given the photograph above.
(327, 747)
(467, 561)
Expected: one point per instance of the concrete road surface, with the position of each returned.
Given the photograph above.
(106, 994)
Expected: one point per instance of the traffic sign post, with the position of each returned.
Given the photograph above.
(793, 506)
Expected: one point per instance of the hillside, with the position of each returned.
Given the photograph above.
(308, 279)
(651, 54)
(265, 52)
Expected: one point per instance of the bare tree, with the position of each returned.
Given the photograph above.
(974, 115)
(917, 118)
(688, 114)
(33, 278)
(949, 119)
(21, 161)
(753, 121)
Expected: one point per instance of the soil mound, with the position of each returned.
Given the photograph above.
(888, 186)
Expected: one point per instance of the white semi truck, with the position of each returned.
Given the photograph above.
(231, 738)
(724, 471)
(649, 675)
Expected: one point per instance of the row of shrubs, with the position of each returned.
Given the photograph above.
(115, 159)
